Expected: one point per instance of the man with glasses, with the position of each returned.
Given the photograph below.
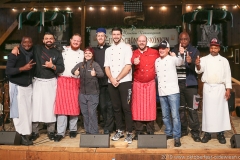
(188, 84)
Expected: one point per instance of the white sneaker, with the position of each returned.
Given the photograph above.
(129, 138)
(118, 135)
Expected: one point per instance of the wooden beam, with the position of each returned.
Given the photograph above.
(214, 2)
(8, 32)
(4, 1)
(12, 27)
(83, 24)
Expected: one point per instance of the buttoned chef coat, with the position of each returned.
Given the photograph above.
(71, 58)
(117, 57)
(167, 74)
(145, 70)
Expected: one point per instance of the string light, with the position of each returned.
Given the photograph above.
(24, 9)
(68, 8)
(90, 8)
(79, 8)
(163, 8)
(56, 9)
(235, 6)
(103, 8)
(13, 9)
(115, 8)
(151, 7)
(199, 7)
(224, 7)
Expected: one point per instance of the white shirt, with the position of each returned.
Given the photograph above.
(216, 70)
(70, 59)
(167, 74)
(117, 57)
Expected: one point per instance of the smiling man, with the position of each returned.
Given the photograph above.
(216, 91)
(67, 90)
(49, 63)
(169, 91)
(118, 68)
(144, 87)
(19, 71)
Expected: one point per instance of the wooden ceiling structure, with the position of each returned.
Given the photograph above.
(28, 4)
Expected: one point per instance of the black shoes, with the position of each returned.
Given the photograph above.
(58, 138)
(169, 137)
(136, 135)
(206, 137)
(195, 135)
(196, 138)
(221, 138)
(51, 135)
(72, 134)
(25, 140)
(177, 142)
(33, 136)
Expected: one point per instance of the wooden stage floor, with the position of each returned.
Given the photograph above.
(67, 148)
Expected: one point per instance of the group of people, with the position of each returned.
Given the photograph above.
(49, 86)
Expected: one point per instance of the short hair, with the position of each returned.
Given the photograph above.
(184, 32)
(26, 37)
(49, 33)
(117, 29)
(76, 34)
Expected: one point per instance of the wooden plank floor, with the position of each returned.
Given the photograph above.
(69, 148)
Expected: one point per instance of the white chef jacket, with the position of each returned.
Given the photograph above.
(167, 74)
(117, 57)
(70, 59)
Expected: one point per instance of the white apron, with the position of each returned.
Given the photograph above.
(215, 116)
(22, 99)
(44, 94)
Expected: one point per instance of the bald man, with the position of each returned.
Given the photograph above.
(144, 90)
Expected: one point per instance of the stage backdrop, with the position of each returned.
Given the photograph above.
(154, 36)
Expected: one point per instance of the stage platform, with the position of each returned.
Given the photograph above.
(68, 149)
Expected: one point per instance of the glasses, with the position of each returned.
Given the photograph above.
(183, 39)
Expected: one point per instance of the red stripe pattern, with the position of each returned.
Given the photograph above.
(67, 96)
(144, 101)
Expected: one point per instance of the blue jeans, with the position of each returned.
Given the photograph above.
(170, 106)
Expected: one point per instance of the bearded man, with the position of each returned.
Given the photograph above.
(49, 63)
(68, 89)
(118, 68)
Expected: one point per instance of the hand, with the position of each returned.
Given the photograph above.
(77, 72)
(181, 49)
(28, 66)
(93, 72)
(114, 82)
(48, 64)
(137, 60)
(197, 61)
(172, 54)
(227, 94)
(188, 58)
(15, 50)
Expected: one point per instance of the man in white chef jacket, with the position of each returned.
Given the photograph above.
(216, 91)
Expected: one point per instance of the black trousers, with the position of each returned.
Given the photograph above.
(106, 108)
(139, 126)
(121, 102)
(186, 105)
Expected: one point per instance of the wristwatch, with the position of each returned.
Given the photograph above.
(52, 66)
